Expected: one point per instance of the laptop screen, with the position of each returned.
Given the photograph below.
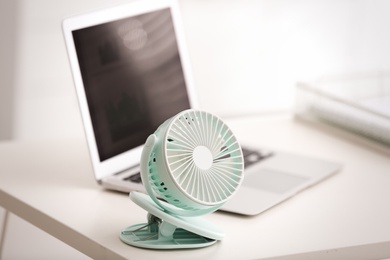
(133, 78)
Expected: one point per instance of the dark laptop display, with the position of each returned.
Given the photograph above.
(133, 78)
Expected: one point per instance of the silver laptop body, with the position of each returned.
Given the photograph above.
(131, 71)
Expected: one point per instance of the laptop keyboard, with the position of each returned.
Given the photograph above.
(254, 156)
(134, 178)
(250, 157)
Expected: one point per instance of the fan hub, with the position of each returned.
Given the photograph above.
(203, 157)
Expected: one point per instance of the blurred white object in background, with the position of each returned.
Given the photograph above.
(358, 103)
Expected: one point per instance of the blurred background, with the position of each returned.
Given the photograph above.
(246, 57)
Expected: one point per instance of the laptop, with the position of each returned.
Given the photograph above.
(131, 71)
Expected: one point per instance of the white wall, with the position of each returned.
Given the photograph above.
(246, 54)
(259, 49)
(8, 24)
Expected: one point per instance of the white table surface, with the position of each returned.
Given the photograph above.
(50, 184)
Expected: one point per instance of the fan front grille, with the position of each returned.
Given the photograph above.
(204, 157)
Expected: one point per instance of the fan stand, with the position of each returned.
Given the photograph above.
(165, 230)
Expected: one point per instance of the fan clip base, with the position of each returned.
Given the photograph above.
(164, 230)
(159, 234)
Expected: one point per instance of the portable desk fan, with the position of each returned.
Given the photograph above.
(193, 162)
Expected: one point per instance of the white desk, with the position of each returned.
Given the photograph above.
(347, 215)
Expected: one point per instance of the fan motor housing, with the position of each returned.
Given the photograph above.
(196, 162)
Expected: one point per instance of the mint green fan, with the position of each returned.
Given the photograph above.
(194, 163)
